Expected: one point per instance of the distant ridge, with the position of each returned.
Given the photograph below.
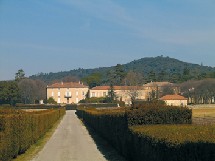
(147, 66)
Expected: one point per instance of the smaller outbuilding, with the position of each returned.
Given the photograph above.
(175, 100)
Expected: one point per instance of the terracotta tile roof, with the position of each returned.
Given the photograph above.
(173, 97)
(117, 87)
(67, 85)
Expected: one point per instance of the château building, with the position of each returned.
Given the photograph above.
(67, 93)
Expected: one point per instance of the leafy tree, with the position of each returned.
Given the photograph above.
(9, 92)
(153, 95)
(162, 76)
(70, 79)
(51, 100)
(93, 80)
(175, 77)
(111, 98)
(162, 67)
(20, 74)
(151, 76)
(186, 74)
(120, 73)
(117, 75)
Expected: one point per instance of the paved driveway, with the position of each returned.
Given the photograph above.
(72, 142)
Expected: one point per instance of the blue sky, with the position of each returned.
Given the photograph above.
(58, 35)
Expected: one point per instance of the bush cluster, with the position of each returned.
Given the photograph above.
(20, 129)
(152, 142)
(159, 115)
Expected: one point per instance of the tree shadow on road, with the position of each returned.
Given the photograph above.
(104, 147)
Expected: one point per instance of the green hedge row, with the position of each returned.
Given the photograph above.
(71, 106)
(152, 142)
(171, 143)
(97, 105)
(19, 129)
(35, 106)
(110, 125)
(159, 115)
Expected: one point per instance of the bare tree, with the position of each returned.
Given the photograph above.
(167, 90)
(40, 93)
(31, 90)
(134, 87)
(202, 91)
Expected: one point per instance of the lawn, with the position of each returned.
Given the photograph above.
(203, 112)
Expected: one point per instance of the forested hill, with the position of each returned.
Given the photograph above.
(153, 69)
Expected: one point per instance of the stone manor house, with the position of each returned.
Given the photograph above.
(73, 92)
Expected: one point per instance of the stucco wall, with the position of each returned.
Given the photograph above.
(176, 102)
(58, 94)
(121, 94)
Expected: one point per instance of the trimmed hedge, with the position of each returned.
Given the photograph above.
(36, 106)
(71, 106)
(151, 142)
(19, 129)
(97, 105)
(171, 143)
(159, 115)
(110, 124)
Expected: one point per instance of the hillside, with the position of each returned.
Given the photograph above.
(153, 68)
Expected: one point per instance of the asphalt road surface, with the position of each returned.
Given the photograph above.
(72, 142)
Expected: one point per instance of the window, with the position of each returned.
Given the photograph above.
(83, 93)
(77, 100)
(58, 94)
(76, 93)
(58, 100)
(93, 94)
(52, 94)
(104, 94)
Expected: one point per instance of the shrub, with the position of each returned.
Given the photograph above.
(153, 103)
(51, 100)
(152, 142)
(172, 143)
(5, 105)
(19, 129)
(98, 105)
(93, 100)
(159, 115)
(110, 124)
(71, 106)
(36, 106)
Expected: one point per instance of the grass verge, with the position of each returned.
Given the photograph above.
(38, 146)
(203, 112)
